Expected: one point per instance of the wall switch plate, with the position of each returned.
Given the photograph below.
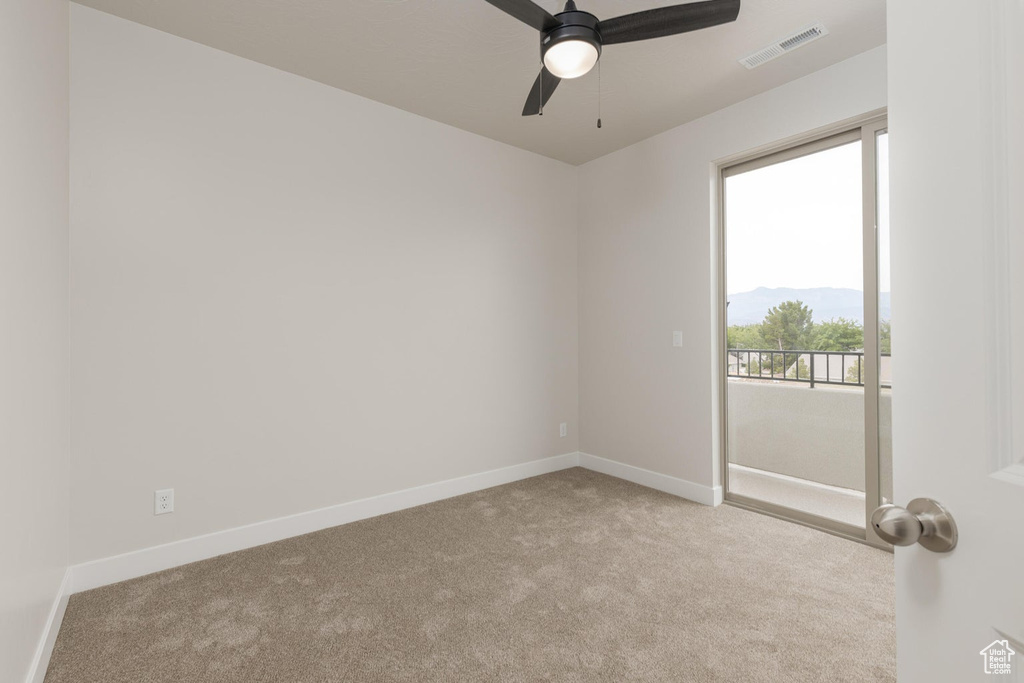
(677, 339)
(563, 429)
(163, 502)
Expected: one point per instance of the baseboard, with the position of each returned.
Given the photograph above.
(131, 565)
(106, 571)
(41, 659)
(707, 495)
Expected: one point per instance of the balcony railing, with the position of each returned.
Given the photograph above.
(810, 367)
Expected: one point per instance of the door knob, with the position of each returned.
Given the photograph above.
(923, 521)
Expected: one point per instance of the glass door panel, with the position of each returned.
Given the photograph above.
(807, 396)
(884, 321)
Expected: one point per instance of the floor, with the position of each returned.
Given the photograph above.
(844, 505)
(571, 576)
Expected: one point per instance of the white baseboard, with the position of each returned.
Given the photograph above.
(708, 495)
(131, 565)
(105, 571)
(148, 560)
(41, 659)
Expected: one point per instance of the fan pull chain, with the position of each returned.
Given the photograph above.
(541, 89)
(598, 93)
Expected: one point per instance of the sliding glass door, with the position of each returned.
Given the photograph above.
(807, 326)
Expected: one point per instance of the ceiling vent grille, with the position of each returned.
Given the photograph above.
(788, 44)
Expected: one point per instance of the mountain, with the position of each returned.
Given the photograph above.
(826, 303)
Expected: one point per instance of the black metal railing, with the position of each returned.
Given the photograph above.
(810, 367)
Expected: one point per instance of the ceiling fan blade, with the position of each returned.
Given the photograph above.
(528, 13)
(546, 82)
(667, 21)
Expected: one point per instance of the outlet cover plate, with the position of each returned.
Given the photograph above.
(163, 501)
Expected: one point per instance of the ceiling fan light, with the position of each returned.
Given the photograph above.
(571, 58)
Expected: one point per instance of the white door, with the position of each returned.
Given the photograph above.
(956, 76)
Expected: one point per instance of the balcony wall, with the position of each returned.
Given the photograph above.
(814, 434)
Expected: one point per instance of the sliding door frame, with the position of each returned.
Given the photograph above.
(864, 128)
(872, 340)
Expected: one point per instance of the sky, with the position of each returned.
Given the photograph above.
(798, 223)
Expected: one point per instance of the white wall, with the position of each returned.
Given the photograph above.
(288, 297)
(34, 451)
(646, 269)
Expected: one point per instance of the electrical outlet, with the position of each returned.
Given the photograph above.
(563, 429)
(163, 502)
(677, 339)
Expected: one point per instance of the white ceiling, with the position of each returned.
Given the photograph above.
(467, 64)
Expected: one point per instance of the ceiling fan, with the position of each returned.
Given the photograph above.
(571, 41)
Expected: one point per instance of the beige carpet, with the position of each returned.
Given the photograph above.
(572, 576)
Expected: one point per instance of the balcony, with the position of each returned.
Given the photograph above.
(797, 439)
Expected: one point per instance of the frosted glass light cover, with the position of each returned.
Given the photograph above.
(570, 58)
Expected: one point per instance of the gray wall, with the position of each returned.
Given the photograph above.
(288, 297)
(815, 434)
(647, 267)
(34, 347)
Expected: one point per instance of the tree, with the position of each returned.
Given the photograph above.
(799, 370)
(838, 334)
(788, 326)
(854, 373)
(744, 337)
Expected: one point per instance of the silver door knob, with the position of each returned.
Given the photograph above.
(923, 521)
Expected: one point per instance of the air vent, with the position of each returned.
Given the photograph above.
(788, 44)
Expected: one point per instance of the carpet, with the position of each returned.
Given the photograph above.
(571, 576)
